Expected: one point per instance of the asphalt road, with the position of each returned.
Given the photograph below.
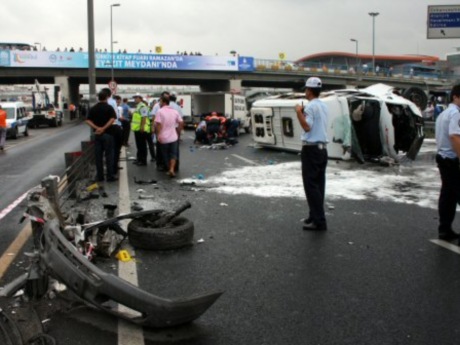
(373, 278)
(26, 161)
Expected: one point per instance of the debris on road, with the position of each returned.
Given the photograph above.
(136, 181)
(92, 187)
(124, 256)
(144, 197)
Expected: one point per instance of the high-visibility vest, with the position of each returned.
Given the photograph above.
(137, 119)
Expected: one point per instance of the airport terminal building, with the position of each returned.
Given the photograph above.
(417, 65)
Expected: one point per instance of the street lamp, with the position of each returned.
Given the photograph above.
(373, 15)
(39, 45)
(357, 64)
(111, 36)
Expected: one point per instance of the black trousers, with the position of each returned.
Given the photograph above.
(126, 130)
(117, 133)
(141, 144)
(151, 145)
(314, 163)
(104, 146)
(449, 196)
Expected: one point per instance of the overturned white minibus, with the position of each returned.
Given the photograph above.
(366, 124)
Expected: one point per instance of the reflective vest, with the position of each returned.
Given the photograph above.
(137, 119)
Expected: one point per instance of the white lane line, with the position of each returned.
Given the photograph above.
(245, 160)
(11, 206)
(447, 245)
(128, 333)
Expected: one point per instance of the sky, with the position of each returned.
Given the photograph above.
(261, 29)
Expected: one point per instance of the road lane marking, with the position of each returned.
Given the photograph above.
(245, 160)
(128, 333)
(447, 245)
(12, 206)
(12, 252)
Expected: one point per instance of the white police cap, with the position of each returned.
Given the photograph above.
(313, 83)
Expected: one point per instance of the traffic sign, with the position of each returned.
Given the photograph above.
(113, 86)
(443, 21)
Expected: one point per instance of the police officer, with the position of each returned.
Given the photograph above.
(140, 125)
(447, 158)
(313, 118)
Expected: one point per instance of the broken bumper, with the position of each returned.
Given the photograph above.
(102, 290)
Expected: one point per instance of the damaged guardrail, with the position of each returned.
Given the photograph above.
(78, 166)
(57, 257)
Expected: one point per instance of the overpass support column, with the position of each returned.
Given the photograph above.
(231, 85)
(69, 94)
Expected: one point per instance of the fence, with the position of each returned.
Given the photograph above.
(267, 65)
(79, 165)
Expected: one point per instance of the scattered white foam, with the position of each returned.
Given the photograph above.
(412, 184)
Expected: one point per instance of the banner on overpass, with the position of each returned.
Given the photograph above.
(18, 58)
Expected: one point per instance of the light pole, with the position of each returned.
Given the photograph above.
(356, 57)
(39, 46)
(111, 36)
(91, 56)
(373, 15)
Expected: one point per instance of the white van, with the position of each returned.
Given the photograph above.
(17, 118)
(366, 124)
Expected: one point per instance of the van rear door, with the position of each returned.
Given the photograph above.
(262, 126)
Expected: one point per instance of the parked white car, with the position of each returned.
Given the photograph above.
(17, 118)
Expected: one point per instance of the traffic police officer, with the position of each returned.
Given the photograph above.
(140, 125)
(447, 158)
(313, 118)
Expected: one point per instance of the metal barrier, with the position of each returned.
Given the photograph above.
(79, 165)
(268, 65)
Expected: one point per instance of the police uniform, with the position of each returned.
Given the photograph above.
(447, 124)
(142, 111)
(314, 160)
(117, 133)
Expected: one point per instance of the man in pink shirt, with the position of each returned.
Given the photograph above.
(166, 120)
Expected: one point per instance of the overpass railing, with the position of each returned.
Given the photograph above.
(270, 66)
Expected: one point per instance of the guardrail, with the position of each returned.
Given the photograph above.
(79, 165)
(267, 65)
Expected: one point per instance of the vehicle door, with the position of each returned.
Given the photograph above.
(21, 119)
(262, 125)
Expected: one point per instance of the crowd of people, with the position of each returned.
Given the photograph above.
(156, 131)
(191, 53)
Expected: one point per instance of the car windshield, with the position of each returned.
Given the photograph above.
(9, 113)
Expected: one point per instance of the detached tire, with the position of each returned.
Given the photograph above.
(178, 234)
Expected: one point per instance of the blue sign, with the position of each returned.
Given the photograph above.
(444, 20)
(245, 64)
(18, 58)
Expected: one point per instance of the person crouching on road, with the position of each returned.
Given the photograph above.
(313, 118)
(140, 125)
(3, 128)
(448, 154)
(166, 121)
(101, 118)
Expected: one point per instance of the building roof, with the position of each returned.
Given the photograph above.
(405, 58)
